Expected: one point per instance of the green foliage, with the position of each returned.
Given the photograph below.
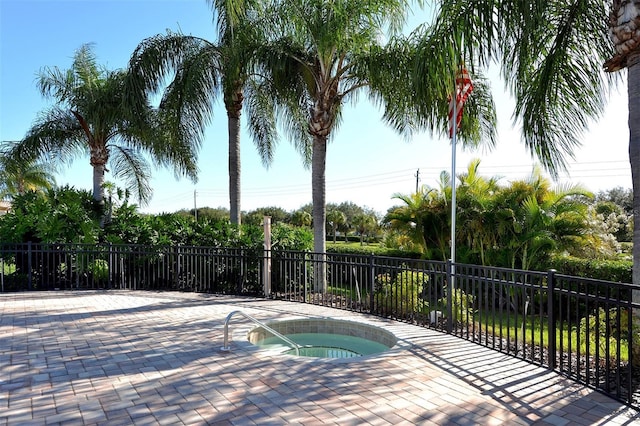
(377, 250)
(63, 215)
(462, 309)
(619, 196)
(609, 270)
(516, 225)
(604, 329)
(107, 115)
(401, 294)
(99, 269)
(256, 217)
(18, 177)
(287, 237)
(129, 227)
(208, 213)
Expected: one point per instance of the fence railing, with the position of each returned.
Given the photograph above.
(583, 328)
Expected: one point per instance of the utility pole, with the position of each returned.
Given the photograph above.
(417, 175)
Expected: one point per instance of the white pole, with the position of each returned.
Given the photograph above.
(266, 270)
(453, 176)
(195, 208)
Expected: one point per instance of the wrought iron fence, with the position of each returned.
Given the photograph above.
(581, 327)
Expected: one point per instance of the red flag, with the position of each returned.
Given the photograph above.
(464, 86)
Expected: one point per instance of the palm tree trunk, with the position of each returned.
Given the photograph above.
(318, 165)
(98, 181)
(234, 168)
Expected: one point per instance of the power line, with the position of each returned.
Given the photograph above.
(430, 173)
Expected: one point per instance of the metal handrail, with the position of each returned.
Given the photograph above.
(261, 324)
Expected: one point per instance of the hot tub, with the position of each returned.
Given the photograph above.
(323, 338)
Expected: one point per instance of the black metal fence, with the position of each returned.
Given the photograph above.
(583, 328)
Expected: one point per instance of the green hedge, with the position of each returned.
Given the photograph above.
(608, 270)
(366, 250)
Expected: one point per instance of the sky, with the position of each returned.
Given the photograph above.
(367, 162)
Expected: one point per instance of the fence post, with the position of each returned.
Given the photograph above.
(551, 319)
(449, 296)
(372, 280)
(29, 279)
(110, 267)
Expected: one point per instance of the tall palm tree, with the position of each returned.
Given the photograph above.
(205, 70)
(16, 177)
(325, 53)
(540, 47)
(95, 113)
(624, 15)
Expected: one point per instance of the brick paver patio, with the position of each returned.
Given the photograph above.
(154, 359)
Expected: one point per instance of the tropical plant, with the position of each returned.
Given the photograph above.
(301, 218)
(365, 224)
(96, 113)
(205, 70)
(541, 49)
(401, 294)
(336, 219)
(408, 218)
(518, 225)
(475, 195)
(324, 53)
(17, 177)
(60, 215)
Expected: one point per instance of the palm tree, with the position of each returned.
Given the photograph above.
(408, 217)
(538, 219)
(301, 218)
(205, 70)
(16, 177)
(475, 207)
(325, 53)
(336, 219)
(95, 113)
(365, 224)
(540, 47)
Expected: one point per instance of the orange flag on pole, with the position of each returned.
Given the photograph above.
(464, 86)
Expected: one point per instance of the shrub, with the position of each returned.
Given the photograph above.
(462, 308)
(608, 270)
(401, 295)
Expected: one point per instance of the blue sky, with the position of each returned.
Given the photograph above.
(367, 162)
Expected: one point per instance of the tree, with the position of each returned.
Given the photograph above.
(301, 217)
(277, 214)
(205, 70)
(537, 220)
(16, 177)
(365, 224)
(541, 49)
(336, 219)
(407, 218)
(325, 53)
(95, 112)
(620, 196)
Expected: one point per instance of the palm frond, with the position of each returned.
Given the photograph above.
(129, 164)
